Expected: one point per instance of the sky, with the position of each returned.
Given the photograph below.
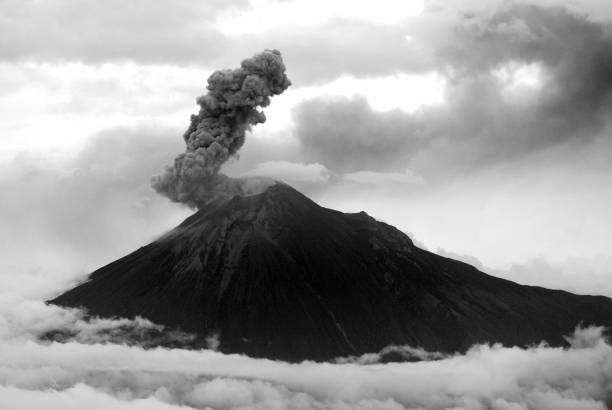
(481, 128)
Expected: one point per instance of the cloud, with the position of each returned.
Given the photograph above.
(580, 275)
(187, 32)
(346, 135)
(519, 80)
(92, 367)
(27, 319)
(95, 31)
(553, 204)
(383, 178)
(291, 172)
(91, 370)
(130, 377)
(76, 398)
(274, 14)
(67, 102)
(392, 353)
(66, 215)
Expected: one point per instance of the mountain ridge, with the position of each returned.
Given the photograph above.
(275, 275)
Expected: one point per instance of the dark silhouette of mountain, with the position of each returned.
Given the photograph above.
(275, 275)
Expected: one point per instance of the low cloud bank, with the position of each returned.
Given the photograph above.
(96, 374)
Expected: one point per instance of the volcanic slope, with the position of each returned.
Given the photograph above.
(275, 275)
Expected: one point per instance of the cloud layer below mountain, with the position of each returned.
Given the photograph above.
(90, 372)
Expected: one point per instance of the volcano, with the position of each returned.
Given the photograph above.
(275, 275)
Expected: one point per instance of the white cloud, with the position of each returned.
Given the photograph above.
(111, 30)
(582, 275)
(130, 377)
(101, 375)
(407, 92)
(384, 178)
(520, 82)
(290, 172)
(515, 75)
(57, 106)
(65, 216)
(67, 102)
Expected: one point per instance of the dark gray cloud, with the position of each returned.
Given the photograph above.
(348, 135)
(576, 51)
(482, 122)
(185, 33)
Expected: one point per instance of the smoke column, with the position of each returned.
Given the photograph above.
(217, 132)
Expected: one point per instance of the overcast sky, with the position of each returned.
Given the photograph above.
(481, 128)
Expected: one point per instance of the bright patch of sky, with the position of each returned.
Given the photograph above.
(57, 106)
(519, 79)
(266, 15)
(407, 92)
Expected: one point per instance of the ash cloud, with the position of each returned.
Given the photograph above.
(227, 111)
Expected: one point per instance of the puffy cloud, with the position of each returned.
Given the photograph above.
(24, 319)
(130, 377)
(76, 398)
(519, 80)
(91, 367)
(187, 32)
(35, 373)
(393, 353)
(346, 135)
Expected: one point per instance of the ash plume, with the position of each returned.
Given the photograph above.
(227, 111)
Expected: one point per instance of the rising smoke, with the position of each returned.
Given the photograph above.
(217, 132)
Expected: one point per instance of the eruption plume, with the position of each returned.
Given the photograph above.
(217, 132)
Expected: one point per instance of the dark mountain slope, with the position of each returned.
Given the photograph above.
(277, 276)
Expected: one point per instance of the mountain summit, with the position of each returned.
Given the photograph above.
(275, 275)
